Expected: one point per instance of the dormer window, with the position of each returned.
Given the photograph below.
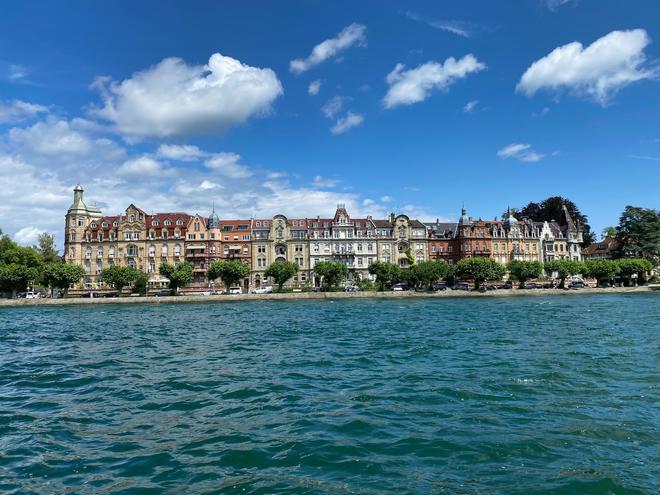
(93, 225)
(106, 225)
(167, 221)
(156, 223)
(179, 221)
(115, 223)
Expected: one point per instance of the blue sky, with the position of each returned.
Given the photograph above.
(174, 106)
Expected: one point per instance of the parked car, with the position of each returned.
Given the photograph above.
(352, 288)
(461, 286)
(548, 285)
(400, 287)
(576, 284)
(30, 295)
(531, 285)
(235, 290)
(263, 290)
(508, 285)
(316, 289)
(440, 286)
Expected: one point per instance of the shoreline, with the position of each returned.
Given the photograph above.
(8, 303)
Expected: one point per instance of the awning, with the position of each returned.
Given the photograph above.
(196, 246)
(158, 278)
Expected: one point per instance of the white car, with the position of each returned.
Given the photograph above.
(235, 290)
(31, 295)
(263, 290)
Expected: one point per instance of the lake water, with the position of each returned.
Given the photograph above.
(539, 395)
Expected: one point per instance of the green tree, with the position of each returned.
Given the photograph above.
(119, 277)
(46, 248)
(230, 271)
(479, 270)
(601, 269)
(633, 266)
(425, 273)
(386, 274)
(522, 271)
(281, 272)
(61, 275)
(564, 269)
(179, 275)
(364, 284)
(331, 273)
(21, 255)
(5, 244)
(15, 277)
(551, 209)
(609, 232)
(140, 283)
(639, 234)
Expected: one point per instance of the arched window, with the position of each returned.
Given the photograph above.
(163, 251)
(177, 250)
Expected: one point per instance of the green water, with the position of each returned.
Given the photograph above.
(541, 395)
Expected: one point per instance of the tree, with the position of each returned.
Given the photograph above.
(140, 283)
(551, 209)
(639, 234)
(522, 271)
(386, 273)
(564, 269)
(425, 273)
(21, 255)
(281, 272)
(119, 277)
(62, 275)
(479, 270)
(15, 277)
(331, 273)
(601, 269)
(230, 271)
(179, 275)
(633, 266)
(5, 244)
(609, 232)
(46, 248)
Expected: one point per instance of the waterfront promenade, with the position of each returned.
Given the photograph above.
(288, 296)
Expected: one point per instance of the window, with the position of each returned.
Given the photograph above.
(370, 260)
(191, 236)
(246, 250)
(99, 252)
(132, 263)
(235, 237)
(152, 267)
(111, 252)
(167, 221)
(226, 238)
(433, 248)
(359, 261)
(359, 247)
(177, 250)
(99, 236)
(300, 261)
(163, 251)
(261, 262)
(152, 251)
(88, 253)
(99, 266)
(131, 218)
(88, 267)
(81, 222)
(201, 236)
(246, 237)
(299, 248)
(179, 221)
(316, 247)
(164, 234)
(131, 250)
(115, 223)
(261, 249)
(211, 235)
(155, 223)
(197, 226)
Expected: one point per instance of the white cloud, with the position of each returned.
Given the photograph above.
(645, 157)
(333, 106)
(386, 199)
(598, 71)
(415, 85)
(180, 152)
(349, 36)
(346, 123)
(143, 166)
(324, 182)
(368, 202)
(17, 72)
(27, 236)
(58, 139)
(554, 5)
(17, 110)
(314, 87)
(207, 184)
(544, 111)
(460, 28)
(227, 164)
(520, 151)
(470, 106)
(174, 99)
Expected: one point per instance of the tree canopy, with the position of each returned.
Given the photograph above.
(331, 272)
(230, 271)
(425, 273)
(479, 269)
(386, 274)
(633, 266)
(281, 272)
(60, 275)
(551, 209)
(564, 269)
(522, 271)
(15, 278)
(601, 269)
(119, 276)
(179, 275)
(638, 234)
(46, 248)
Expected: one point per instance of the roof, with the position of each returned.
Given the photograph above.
(161, 217)
(604, 246)
(381, 224)
(416, 224)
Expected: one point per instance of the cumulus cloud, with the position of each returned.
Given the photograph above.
(17, 72)
(520, 151)
(27, 236)
(173, 98)
(598, 71)
(415, 85)
(143, 166)
(333, 106)
(314, 87)
(349, 36)
(470, 106)
(227, 165)
(324, 182)
(180, 152)
(347, 122)
(17, 110)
